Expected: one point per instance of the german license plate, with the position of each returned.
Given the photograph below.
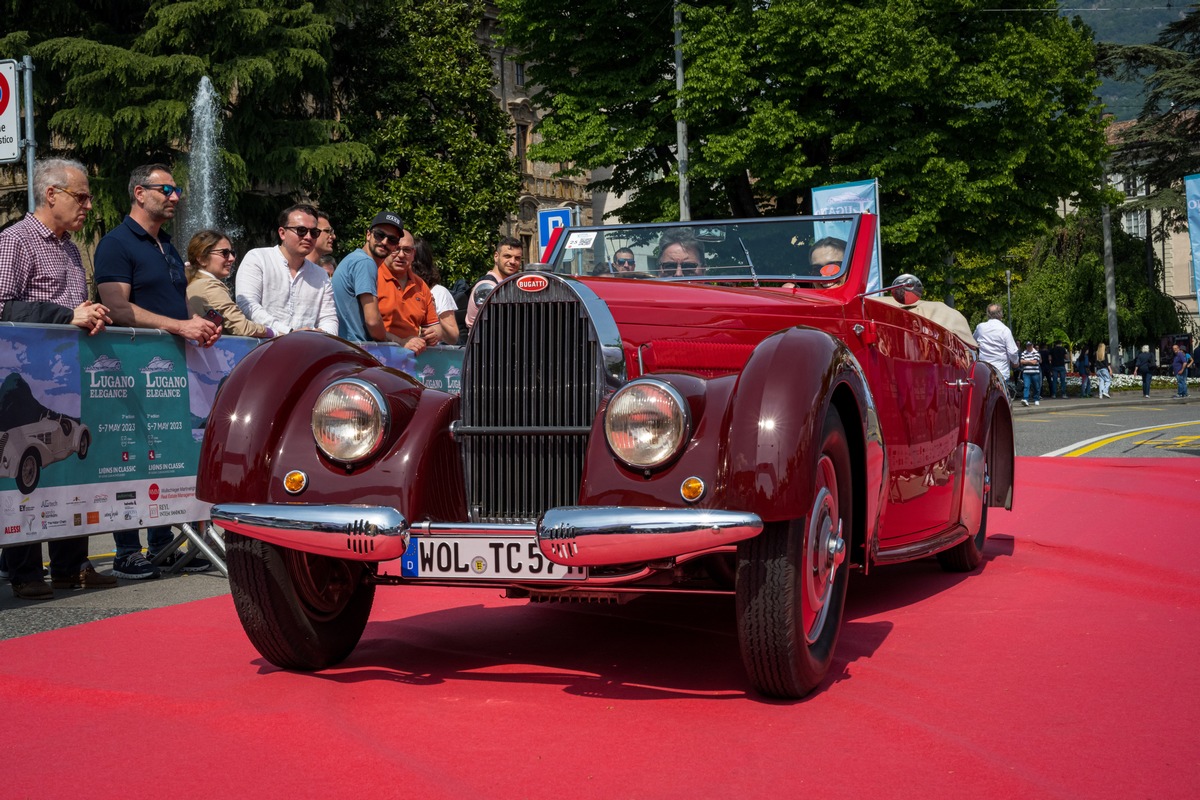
(482, 558)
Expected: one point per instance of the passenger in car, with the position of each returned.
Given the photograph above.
(825, 254)
(680, 255)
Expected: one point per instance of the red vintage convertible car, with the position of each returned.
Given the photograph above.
(716, 406)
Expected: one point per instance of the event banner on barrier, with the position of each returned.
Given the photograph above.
(102, 433)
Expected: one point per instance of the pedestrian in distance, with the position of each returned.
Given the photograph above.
(1144, 366)
(1103, 371)
(405, 301)
(1031, 373)
(1083, 366)
(1180, 364)
(1058, 370)
(996, 344)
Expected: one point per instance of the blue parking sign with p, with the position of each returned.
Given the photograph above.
(548, 220)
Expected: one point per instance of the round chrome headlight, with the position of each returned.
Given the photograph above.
(646, 423)
(349, 420)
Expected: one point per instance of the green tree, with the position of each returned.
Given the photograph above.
(357, 104)
(415, 86)
(1164, 144)
(975, 121)
(1062, 288)
(116, 93)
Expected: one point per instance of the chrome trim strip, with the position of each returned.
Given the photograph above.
(579, 536)
(354, 533)
(593, 536)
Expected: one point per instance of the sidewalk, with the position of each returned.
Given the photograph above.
(1124, 397)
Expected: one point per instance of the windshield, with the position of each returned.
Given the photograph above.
(810, 249)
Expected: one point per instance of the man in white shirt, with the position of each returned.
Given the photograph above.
(279, 288)
(996, 344)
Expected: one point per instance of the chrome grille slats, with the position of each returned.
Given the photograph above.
(536, 368)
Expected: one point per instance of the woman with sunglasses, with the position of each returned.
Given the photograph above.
(210, 261)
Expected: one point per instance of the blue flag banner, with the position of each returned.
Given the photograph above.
(860, 197)
(1191, 185)
(102, 433)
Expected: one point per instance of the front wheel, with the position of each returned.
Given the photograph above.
(300, 611)
(792, 578)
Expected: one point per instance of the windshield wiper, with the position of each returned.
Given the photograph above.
(749, 261)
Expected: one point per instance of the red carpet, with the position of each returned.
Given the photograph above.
(1064, 669)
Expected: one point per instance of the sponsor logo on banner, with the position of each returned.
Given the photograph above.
(154, 491)
(127, 495)
(101, 384)
(93, 518)
(12, 529)
(427, 378)
(158, 385)
(77, 519)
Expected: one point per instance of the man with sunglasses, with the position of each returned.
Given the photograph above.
(623, 261)
(506, 262)
(680, 255)
(376, 279)
(140, 276)
(323, 246)
(42, 280)
(278, 287)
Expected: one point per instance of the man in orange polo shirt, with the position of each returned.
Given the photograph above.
(405, 302)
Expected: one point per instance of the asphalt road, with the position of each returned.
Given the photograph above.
(1125, 426)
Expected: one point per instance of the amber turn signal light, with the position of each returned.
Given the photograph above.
(295, 481)
(692, 489)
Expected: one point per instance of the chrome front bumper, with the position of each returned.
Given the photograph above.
(576, 536)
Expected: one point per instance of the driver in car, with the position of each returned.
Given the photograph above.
(680, 255)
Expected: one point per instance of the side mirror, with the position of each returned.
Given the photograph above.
(907, 289)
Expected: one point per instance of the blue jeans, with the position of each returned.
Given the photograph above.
(130, 542)
(1146, 383)
(1181, 380)
(1085, 385)
(1104, 378)
(1058, 381)
(1033, 379)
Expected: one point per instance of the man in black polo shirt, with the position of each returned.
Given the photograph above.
(139, 275)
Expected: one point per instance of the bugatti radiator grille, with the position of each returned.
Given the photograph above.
(533, 378)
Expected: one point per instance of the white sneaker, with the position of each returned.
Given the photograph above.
(1025, 402)
(1037, 402)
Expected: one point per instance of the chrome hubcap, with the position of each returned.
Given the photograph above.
(825, 551)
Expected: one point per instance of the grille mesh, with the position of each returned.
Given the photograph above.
(532, 381)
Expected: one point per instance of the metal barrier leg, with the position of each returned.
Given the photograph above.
(198, 543)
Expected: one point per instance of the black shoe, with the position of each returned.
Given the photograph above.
(198, 563)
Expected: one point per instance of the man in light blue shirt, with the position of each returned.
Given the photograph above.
(356, 281)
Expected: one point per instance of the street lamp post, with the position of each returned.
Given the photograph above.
(1008, 286)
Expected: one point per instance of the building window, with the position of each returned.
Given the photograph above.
(1134, 223)
(522, 143)
(1134, 186)
(520, 70)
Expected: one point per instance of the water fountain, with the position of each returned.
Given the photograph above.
(204, 202)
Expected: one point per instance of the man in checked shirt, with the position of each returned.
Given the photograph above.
(42, 280)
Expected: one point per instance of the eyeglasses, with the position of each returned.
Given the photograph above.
(326, 230)
(624, 261)
(166, 188)
(224, 252)
(380, 236)
(406, 251)
(301, 231)
(83, 198)
(672, 266)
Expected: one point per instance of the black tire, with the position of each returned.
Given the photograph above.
(300, 611)
(968, 554)
(85, 443)
(29, 471)
(792, 578)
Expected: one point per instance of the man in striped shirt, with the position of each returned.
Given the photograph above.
(1031, 371)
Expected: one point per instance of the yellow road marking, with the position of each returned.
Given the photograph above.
(1110, 439)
